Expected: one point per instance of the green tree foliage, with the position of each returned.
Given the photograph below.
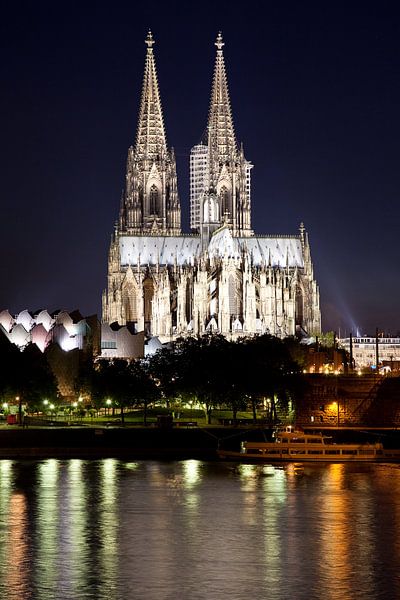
(25, 374)
(126, 384)
(217, 372)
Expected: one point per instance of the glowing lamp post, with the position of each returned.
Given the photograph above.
(336, 405)
(108, 403)
(18, 400)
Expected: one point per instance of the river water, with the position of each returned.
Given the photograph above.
(117, 530)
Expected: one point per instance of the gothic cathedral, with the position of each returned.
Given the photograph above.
(222, 277)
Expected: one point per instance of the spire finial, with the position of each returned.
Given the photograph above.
(149, 40)
(219, 43)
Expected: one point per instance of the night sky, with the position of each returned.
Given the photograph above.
(315, 93)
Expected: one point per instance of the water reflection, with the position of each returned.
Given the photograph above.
(17, 549)
(46, 540)
(118, 530)
(108, 527)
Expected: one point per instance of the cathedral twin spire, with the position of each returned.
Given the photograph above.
(150, 204)
(150, 139)
(221, 134)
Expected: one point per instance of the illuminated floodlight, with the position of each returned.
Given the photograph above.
(74, 404)
(52, 406)
(108, 402)
(5, 404)
(45, 402)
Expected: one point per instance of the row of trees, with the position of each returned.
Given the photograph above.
(210, 370)
(25, 376)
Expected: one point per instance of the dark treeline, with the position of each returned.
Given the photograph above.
(25, 377)
(209, 371)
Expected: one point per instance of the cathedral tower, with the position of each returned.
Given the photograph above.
(223, 278)
(150, 203)
(220, 193)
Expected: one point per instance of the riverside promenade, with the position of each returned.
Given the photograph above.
(119, 441)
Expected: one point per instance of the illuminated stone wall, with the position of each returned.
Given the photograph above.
(365, 400)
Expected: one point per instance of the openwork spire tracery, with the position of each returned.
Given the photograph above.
(150, 139)
(220, 123)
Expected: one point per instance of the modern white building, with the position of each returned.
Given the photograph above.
(199, 182)
(365, 350)
(222, 278)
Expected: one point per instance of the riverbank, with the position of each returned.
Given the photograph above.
(129, 442)
(153, 442)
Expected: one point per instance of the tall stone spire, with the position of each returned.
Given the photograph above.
(220, 123)
(220, 177)
(150, 138)
(151, 203)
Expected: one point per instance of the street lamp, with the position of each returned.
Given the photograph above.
(19, 402)
(336, 405)
(108, 402)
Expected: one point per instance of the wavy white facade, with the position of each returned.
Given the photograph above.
(68, 330)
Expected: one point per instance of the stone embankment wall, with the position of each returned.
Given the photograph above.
(351, 400)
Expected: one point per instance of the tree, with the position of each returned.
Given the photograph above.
(111, 380)
(201, 373)
(127, 384)
(26, 375)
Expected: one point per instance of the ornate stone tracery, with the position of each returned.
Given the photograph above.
(221, 278)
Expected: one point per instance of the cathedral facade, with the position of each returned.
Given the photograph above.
(222, 277)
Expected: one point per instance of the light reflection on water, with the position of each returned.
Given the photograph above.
(117, 530)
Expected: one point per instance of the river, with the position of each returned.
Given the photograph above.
(148, 530)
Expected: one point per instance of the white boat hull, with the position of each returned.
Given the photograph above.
(297, 457)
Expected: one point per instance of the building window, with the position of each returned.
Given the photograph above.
(154, 201)
(225, 202)
(105, 345)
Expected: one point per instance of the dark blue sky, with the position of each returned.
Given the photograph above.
(315, 91)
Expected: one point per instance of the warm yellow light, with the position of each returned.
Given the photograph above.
(80, 399)
(75, 404)
(45, 402)
(108, 401)
(51, 406)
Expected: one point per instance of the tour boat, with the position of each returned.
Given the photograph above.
(291, 446)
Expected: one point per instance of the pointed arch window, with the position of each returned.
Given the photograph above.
(234, 297)
(129, 301)
(225, 202)
(154, 201)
